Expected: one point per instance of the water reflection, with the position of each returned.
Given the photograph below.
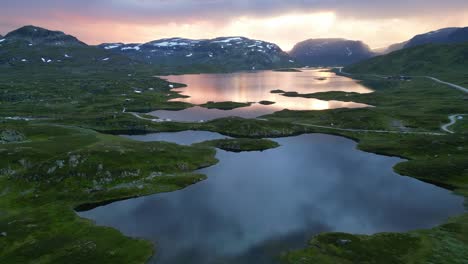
(255, 87)
(257, 204)
(188, 137)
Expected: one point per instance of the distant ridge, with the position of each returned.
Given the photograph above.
(330, 52)
(438, 60)
(227, 53)
(36, 46)
(440, 36)
(41, 36)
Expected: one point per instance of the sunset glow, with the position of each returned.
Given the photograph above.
(275, 21)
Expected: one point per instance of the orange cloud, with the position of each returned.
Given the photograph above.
(284, 29)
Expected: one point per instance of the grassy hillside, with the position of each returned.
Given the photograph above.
(449, 61)
(63, 155)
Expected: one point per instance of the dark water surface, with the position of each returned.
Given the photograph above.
(188, 137)
(255, 87)
(255, 205)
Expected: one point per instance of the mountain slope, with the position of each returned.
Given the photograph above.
(225, 53)
(431, 59)
(438, 36)
(395, 47)
(40, 36)
(330, 52)
(441, 36)
(40, 52)
(460, 35)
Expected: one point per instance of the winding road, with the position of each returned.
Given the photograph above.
(461, 88)
(458, 87)
(373, 131)
(453, 120)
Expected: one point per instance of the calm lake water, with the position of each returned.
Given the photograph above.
(256, 87)
(255, 205)
(188, 137)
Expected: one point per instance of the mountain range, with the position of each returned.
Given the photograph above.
(228, 53)
(31, 45)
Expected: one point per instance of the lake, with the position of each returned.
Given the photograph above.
(255, 87)
(255, 205)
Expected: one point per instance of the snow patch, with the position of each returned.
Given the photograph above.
(1, 40)
(67, 56)
(170, 44)
(24, 60)
(112, 46)
(349, 51)
(189, 55)
(227, 40)
(105, 59)
(131, 48)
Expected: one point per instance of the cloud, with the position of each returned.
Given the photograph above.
(377, 22)
(189, 10)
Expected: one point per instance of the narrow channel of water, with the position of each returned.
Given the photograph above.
(188, 137)
(255, 205)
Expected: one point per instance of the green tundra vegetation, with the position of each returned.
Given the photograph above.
(225, 105)
(59, 149)
(266, 102)
(241, 144)
(447, 62)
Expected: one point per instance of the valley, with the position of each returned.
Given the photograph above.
(97, 136)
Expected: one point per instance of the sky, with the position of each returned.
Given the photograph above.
(284, 22)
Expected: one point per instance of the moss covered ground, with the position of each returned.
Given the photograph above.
(66, 155)
(225, 105)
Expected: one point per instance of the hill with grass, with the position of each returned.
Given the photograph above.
(330, 52)
(41, 36)
(41, 52)
(442, 36)
(438, 60)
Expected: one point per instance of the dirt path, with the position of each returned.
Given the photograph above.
(372, 131)
(453, 120)
(137, 115)
(461, 88)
